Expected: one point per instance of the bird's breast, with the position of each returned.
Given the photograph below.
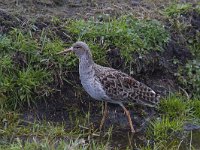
(91, 84)
(93, 87)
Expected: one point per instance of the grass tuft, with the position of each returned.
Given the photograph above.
(20, 134)
(165, 128)
(26, 67)
(175, 10)
(174, 107)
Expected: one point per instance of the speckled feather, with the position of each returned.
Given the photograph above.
(123, 88)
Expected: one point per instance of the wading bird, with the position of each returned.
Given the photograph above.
(110, 85)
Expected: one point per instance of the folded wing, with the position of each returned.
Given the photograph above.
(122, 87)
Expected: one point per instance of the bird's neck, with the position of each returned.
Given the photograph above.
(86, 64)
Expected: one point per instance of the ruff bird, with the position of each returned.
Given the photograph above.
(110, 85)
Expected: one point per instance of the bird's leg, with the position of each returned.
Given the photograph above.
(129, 117)
(104, 115)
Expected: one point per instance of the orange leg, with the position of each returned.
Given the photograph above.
(128, 116)
(104, 115)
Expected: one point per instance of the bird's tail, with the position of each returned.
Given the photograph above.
(150, 100)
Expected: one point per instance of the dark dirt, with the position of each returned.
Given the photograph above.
(158, 72)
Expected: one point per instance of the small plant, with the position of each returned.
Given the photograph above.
(165, 128)
(190, 77)
(23, 88)
(23, 42)
(174, 107)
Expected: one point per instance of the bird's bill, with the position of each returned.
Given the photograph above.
(66, 51)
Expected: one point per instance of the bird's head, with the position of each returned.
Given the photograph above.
(79, 48)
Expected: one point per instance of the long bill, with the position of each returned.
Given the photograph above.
(66, 51)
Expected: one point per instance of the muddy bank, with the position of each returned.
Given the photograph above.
(157, 69)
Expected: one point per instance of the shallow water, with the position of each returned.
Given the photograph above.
(188, 140)
(121, 136)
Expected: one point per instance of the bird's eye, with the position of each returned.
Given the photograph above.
(78, 47)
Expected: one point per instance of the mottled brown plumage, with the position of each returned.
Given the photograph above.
(121, 87)
(110, 85)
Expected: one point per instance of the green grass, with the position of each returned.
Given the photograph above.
(126, 33)
(17, 133)
(167, 129)
(27, 67)
(174, 107)
(174, 112)
(29, 63)
(45, 144)
(195, 108)
(23, 86)
(175, 10)
(5, 44)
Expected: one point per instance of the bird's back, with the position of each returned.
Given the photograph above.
(120, 87)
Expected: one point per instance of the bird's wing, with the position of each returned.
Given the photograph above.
(121, 87)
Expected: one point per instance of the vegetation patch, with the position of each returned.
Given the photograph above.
(184, 25)
(175, 10)
(190, 77)
(174, 113)
(195, 108)
(166, 130)
(184, 21)
(17, 134)
(126, 33)
(24, 67)
(174, 107)
(30, 65)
